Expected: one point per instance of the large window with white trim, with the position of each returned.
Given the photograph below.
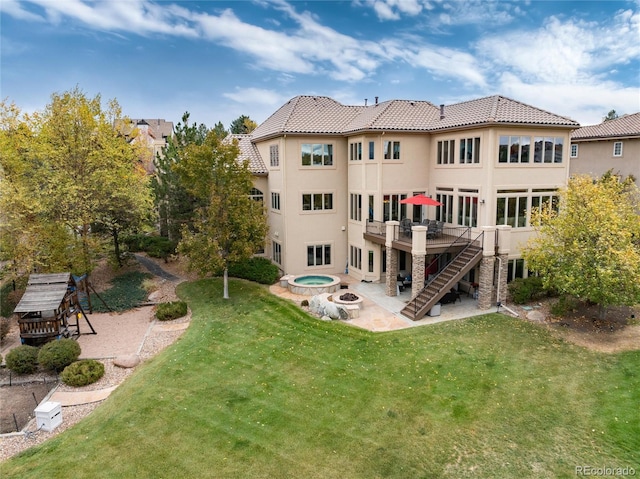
(319, 255)
(392, 209)
(517, 149)
(511, 208)
(470, 150)
(317, 154)
(317, 201)
(355, 207)
(355, 257)
(445, 211)
(391, 150)
(446, 152)
(468, 207)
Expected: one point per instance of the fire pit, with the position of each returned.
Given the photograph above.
(351, 301)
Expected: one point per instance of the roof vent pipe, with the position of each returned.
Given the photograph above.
(376, 100)
(442, 112)
(365, 101)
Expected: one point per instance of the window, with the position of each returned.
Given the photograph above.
(514, 149)
(548, 150)
(574, 151)
(355, 211)
(392, 209)
(515, 269)
(317, 154)
(274, 156)
(446, 152)
(371, 150)
(468, 208)
(355, 257)
(391, 150)
(277, 252)
(541, 198)
(617, 148)
(355, 151)
(319, 255)
(371, 203)
(444, 212)
(317, 201)
(512, 208)
(257, 195)
(370, 261)
(470, 150)
(275, 201)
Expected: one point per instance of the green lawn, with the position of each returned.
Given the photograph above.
(258, 389)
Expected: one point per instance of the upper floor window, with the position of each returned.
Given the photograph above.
(446, 152)
(317, 154)
(392, 208)
(468, 208)
(548, 149)
(317, 201)
(391, 150)
(371, 150)
(617, 148)
(574, 151)
(444, 212)
(355, 210)
(511, 208)
(355, 151)
(275, 201)
(274, 157)
(470, 150)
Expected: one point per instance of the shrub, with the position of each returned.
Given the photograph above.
(258, 269)
(23, 359)
(171, 310)
(5, 327)
(161, 247)
(83, 372)
(563, 305)
(523, 290)
(59, 354)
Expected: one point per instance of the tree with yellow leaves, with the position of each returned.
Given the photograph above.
(590, 247)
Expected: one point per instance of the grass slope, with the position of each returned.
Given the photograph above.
(258, 389)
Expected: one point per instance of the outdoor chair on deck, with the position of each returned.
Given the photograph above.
(405, 227)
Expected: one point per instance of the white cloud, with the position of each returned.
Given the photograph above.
(256, 96)
(586, 103)
(394, 9)
(14, 8)
(447, 62)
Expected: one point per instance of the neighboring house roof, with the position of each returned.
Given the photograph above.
(623, 126)
(248, 151)
(161, 128)
(323, 115)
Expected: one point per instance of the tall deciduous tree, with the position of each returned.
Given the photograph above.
(175, 204)
(81, 172)
(231, 225)
(590, 247)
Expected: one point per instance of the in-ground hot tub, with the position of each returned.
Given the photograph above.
(312, 284)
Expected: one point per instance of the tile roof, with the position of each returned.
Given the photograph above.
(323, 115)
(248, 151)
(497, 109)
(626, 125)
(308, 114)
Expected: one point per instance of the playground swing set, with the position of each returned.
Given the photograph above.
(51, 308)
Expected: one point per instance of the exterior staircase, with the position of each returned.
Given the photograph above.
(443, 282)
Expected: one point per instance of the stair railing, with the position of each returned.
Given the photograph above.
(478, 241)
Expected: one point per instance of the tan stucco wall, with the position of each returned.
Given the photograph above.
(596, 157)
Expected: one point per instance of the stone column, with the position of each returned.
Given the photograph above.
(503, 250)
(485, 281)
(418, 258)
(391, 283)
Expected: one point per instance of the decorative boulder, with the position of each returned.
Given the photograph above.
(128, 361)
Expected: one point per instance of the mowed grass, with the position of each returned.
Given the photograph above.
(256, 388)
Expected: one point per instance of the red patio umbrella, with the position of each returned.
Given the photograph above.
(420, 200)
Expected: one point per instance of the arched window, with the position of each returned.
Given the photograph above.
(257, 195)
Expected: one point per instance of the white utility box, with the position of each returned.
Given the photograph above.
(48, 415)
(435, 310)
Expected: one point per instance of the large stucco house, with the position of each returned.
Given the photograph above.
(611, 145)
(333, 177)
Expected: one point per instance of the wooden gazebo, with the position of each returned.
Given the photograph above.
(50, 309)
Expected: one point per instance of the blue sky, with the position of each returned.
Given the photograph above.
(219, 60)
